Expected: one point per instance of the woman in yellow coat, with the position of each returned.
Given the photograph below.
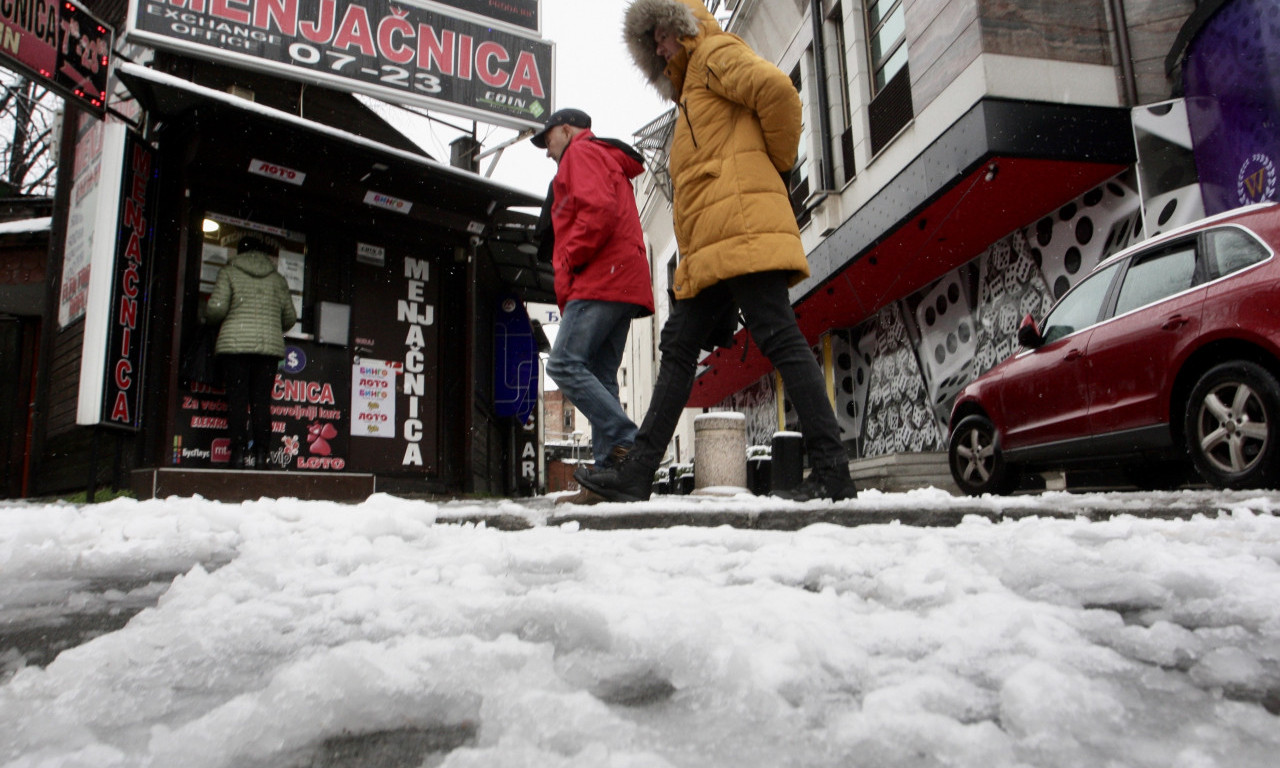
(737, 131)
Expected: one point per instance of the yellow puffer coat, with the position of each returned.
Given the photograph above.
(737, 131)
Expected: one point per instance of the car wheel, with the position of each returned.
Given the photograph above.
(976, 461)
(1233, 426)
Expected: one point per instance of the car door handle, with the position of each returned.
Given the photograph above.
(1174, 323)
(1074, 354)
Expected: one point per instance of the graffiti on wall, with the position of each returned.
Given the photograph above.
(757, 402)
(897, 373)
(899, 418)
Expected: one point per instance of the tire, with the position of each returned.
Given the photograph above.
(1233, 426)
(977, 464)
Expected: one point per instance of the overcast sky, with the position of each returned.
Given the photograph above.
(593, 73)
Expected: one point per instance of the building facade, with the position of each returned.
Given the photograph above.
(413, 366)
(963, 163)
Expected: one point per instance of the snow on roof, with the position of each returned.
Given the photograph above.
(163, 78)
(41, 224)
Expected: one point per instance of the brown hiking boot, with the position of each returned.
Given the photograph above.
(583, 496)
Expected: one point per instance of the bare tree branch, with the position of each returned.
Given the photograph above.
(27, 113)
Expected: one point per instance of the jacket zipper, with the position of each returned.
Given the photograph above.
(684, 109)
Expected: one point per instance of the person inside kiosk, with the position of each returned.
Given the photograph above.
(251, 301)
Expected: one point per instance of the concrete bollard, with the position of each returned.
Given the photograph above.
(720, 453)
(786, 468)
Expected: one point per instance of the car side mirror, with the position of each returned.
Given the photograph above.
(1029, 333)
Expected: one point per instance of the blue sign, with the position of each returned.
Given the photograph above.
(515, 360)
(295, 360)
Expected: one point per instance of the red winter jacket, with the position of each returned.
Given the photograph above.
(599, 245)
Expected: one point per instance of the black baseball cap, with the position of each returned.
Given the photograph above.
(575, 117)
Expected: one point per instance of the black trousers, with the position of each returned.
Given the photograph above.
(766, 307)
(249, 379)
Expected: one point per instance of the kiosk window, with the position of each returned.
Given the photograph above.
(289, 249)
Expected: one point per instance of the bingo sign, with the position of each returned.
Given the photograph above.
(373, 398)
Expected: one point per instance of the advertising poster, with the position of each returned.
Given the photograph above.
(309, 411)
(96, 143)
(373, 398)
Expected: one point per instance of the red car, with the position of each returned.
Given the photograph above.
(1164, 357)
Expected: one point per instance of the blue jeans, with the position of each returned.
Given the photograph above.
(766, 308)
(584, 364)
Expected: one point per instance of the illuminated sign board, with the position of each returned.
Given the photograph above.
(400, 53)
(61, 45)
(111, 367)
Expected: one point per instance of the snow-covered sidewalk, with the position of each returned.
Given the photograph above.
(310, 633)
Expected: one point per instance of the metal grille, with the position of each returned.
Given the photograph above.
(890, 110)
(654, 140)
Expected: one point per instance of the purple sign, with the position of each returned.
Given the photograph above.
(1231, 77)
(521, 13)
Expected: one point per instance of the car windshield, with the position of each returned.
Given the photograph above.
(1079, 309)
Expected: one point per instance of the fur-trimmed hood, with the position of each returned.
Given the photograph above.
(689, 20)
(738, 132)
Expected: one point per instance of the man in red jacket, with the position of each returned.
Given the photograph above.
(602, 275)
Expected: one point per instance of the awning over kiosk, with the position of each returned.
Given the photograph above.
(347, 169)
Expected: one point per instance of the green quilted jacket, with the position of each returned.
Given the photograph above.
(251, 300)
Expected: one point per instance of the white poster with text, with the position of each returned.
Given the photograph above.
(373, 398)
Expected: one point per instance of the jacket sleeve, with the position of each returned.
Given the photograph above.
(220, 300)
(288, 316)
(736, 73)
(584, 212)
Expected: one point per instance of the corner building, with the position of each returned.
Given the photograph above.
(963, 163)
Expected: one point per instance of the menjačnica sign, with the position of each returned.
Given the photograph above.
(396, 51)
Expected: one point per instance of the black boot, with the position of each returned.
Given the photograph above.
(628, 480)
(831, 483)
(616, 455)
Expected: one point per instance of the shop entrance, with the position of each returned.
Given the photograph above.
(360, 386)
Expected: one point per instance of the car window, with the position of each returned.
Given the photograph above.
(1155, 276)
(1232, 249)
(1079, 309)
